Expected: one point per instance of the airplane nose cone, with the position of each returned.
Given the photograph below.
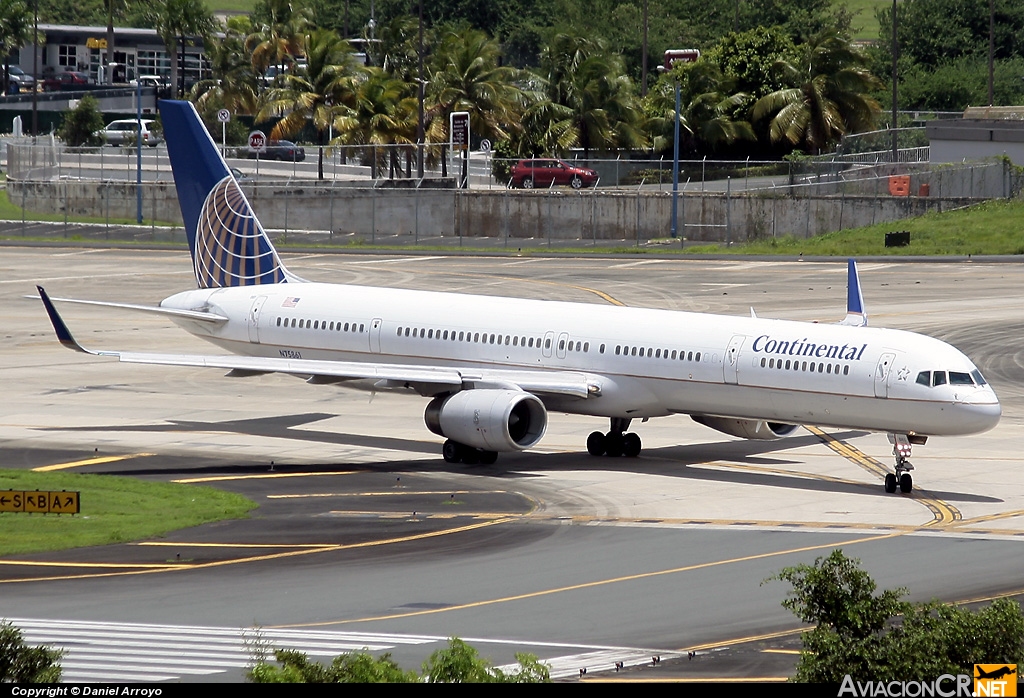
(982, 413)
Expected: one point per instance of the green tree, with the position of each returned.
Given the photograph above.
(581, 75)
(871, 636)
(749, 58)
(20, 663)
(234, 84)
(278, 32)
(177, 21)
(316, 94)
(457, 663)
(708, 108)
(460, 663)
(15, 32)
(383, 111)
(81, 123)
(465, 75)
(800, 19)
(829, 97)
(352, 667)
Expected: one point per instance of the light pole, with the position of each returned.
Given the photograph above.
(675, 167)
(419, 124)
(895, 55)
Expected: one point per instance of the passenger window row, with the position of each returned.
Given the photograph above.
(811, 367)
(303, 323)
(470, 337)
(656, 353)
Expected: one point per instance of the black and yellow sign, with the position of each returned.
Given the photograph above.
(39, 502)
(995, 680)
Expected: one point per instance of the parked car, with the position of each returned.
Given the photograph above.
(280, 150)
(23, 81)
(70, 80)
(547, 171)
(125, 131)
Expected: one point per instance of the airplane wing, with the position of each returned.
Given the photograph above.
(427, 380)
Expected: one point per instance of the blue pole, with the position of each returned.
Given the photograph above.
(138, 149)
(675, 169)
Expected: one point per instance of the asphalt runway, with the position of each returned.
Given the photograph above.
(364, 537)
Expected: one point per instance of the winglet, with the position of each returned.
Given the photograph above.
(856, 316)
(63, 333)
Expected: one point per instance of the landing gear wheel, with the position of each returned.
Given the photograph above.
(488, 457)
(906, 483)
(527, 182)
(596, 444)
(890, 483)
(452, 451)
(613, 444)
(631, 445)
(470, 456)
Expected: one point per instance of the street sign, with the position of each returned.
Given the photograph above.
(458, 122)
(223, 116)
(485, 146)
(39, 502)
(258, 141)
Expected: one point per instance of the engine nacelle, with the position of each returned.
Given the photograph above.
(746, 428)
(494, 420)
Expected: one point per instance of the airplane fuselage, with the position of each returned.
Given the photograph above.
(644, 362)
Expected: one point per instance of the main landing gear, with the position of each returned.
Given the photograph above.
(901, 450)
(454, 452)
(615, 442)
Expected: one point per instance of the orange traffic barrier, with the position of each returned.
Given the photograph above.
(899, 185)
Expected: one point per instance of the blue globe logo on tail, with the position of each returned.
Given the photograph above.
(231, 248)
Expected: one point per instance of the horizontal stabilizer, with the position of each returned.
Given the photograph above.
(200, 315)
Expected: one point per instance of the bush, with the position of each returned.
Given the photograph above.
(879, 637)
(81, 123)
(20, 663)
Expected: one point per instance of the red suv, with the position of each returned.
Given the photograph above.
(545, 172)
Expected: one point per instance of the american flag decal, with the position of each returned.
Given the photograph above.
(290, 302)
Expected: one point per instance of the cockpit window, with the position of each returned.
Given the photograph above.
(958, 378)
(976, 374)
(924, 378)
(938, 378)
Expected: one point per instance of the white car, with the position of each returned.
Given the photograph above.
(125, 130)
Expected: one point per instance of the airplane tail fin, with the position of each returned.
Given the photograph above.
(856, 316)
(229, 246)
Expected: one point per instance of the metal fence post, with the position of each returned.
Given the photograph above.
(728, 205)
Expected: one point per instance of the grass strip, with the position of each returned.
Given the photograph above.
(114, 510)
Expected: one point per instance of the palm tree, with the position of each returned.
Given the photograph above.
(234, 85)
(316, 94)
(174, 21)
(382, 111)
(465, 75)
(830, 96)
(15, 32)
(591, 83)
(278, 39)
(707, 112)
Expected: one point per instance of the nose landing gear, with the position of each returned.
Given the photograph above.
(901, 448)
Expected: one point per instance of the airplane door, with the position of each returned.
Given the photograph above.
(375, 335)
(254, 319)
(882, 374)
(730, 366)
(560, 349)
(549, 339)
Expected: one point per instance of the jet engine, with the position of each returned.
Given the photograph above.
(492, 420)
(746, 428)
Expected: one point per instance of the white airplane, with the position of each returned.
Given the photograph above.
(495, 367)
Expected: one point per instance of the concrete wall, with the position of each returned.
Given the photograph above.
(555, 214)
